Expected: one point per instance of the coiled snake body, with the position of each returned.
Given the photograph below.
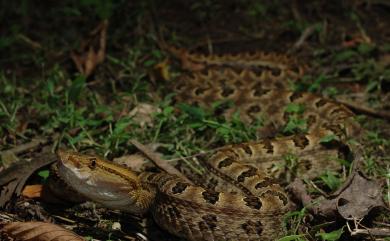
(240, 198)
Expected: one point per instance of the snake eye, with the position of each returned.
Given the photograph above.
(92, 164)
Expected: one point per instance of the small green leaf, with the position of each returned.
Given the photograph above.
(168, 110)
(372, 85)
(157, 53)
(295, 125)
(316, 85)
(331, 180)
(6, 41)
(332, 236)
(295, 108)
(121, 125)
(149, 63)
(196, 113)
(44, 174)
(330, 91)
(329, 138)
(296, 237)
(75, 89)
(345, 55)
(365, 48)
(386, 47)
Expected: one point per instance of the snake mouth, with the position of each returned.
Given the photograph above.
(96, 181)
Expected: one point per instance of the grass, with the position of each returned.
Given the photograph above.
(83, 118)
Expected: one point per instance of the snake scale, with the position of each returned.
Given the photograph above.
(239, 197)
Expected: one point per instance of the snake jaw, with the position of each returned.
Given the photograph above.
(104, 182)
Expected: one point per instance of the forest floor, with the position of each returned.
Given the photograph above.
(123, 95)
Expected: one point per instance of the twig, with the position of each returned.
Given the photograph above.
(356, 231)
(388, 187)
(295, 11)
(162, 164)
(365, 110)
(197, 154)
(186, 157)
(27, 146)
(302, 39)
(380, 223)
(29, 41)
(319, 189)
(298, 190)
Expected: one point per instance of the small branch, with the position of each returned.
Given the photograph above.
(302, 39)
(29, 41)
(370, 232)
(365, 110)
(160, 163)
(27, 146)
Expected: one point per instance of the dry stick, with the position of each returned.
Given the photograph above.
(27, 146)
(365, 110)
(162, 164)
(33, 44)
(379, 232)
(302, 39)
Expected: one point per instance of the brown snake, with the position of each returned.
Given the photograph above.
(240, 198)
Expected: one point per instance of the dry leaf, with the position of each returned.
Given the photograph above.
(356, 39)
(93, 50)
(7, 158)
(53, 191)
(186, 63)
(143, 114)
(361, 195)
(13, 178)
(32, 191)
(353, 201)
(161, 70)
(156, 158)
(134, 162)
(37, 231)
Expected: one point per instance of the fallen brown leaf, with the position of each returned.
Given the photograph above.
(353, 201)
(32, 191)
(158, 161)
(184, 58)
(161, 70)
(135, 162)
(36, 231)
(10, 156)
(92, 51)
(12, 179)
(359, 198)
(7, 158)
(53, 191)
(143, 114)
(356, 39)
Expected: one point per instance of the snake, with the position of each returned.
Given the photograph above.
(239, 195)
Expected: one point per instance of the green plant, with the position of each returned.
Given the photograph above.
(331, 180)
(331, 236)
(295, 124)
(292, 221)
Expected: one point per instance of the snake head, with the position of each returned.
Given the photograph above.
(104, 182)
